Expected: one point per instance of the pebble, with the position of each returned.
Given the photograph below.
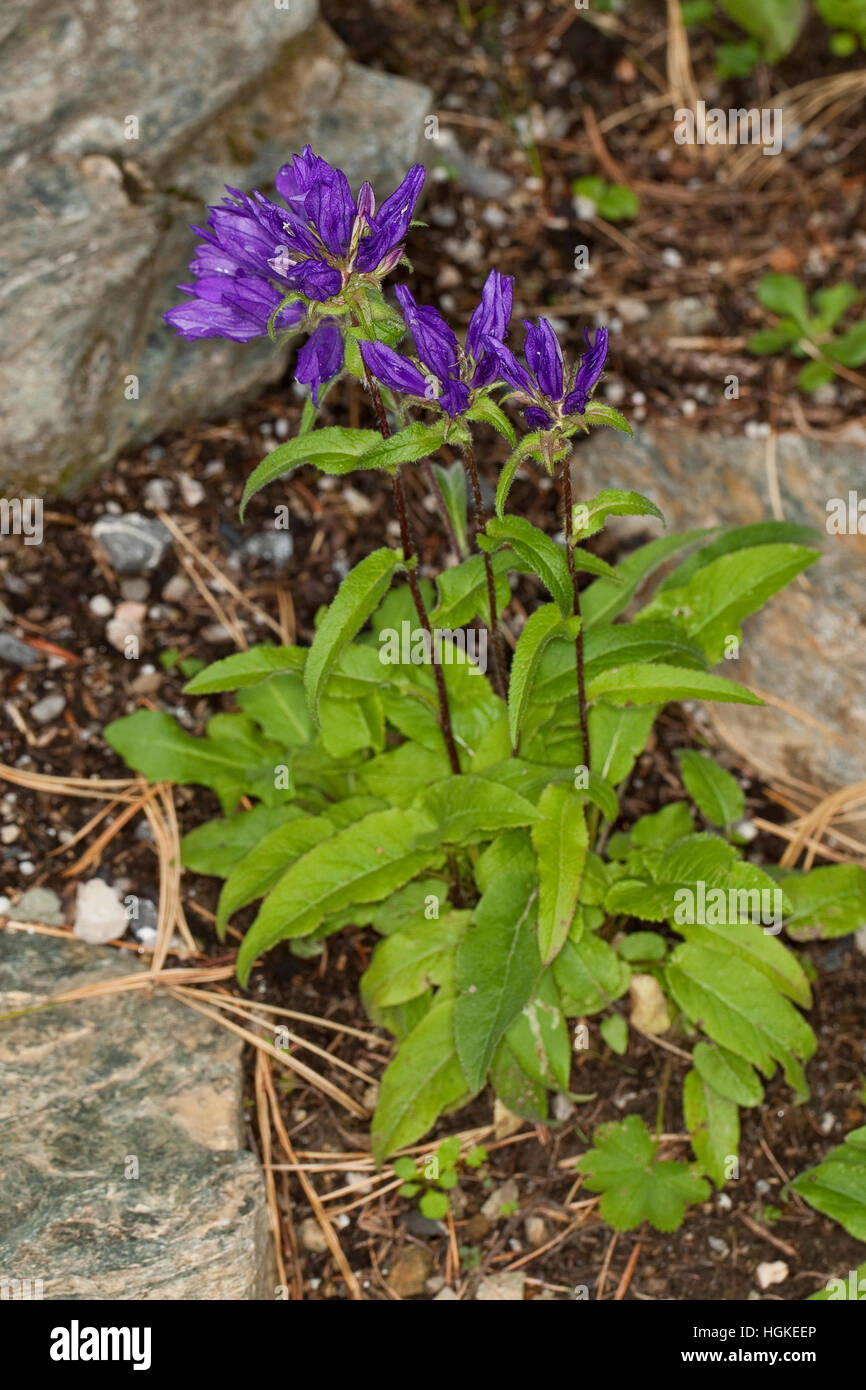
(191, 490)
(423, 1226)
(410, 1271)
(101, 606)
(536, 1230)
(16, 653)
(49, 708)
(135, 590)
(177, 588)
(275, 547)
(38, 905)
(127, 622)
(147, 683)
(281, 428)
(216, 633)
(672, 258)
(446, 1295)
(9, 834)
(723, 1202)
(4, 906)
(502, 1288)
(719, 1246)
(771, 1272)
(157, 494)
(99, 914)
(500, 1197)
(26, 867)
(133, 542)
(313, 1237)
(828, 1123)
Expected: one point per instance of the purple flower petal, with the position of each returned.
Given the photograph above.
(508, 367)
(544, 357)
(320, 358)
(393, 370)
(489, 320)
(591, 368)
(391, 222)
(331, 208)
(436, 344)
(536, 418)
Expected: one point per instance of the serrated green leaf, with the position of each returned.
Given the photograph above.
(399, 774)
(497, 967)
(408, 962)
(334, 449)
(519, 1093)
(827, 902)
(639, 683)
(361, 864)
(598, 414)
(215, 847)
(355, 600)
(635, 1187)
(716, 793)
(539, 629)
(416, 441)
(424, 1079)
(278, 706)
(590, 975)
(617, 736)
(537, 551)
(837, 1187)
(614, 1030)
(731, 1076)
(714, 1124)
(487, 412)
(589, 517)
(560, 841)
(267, 861)
(602, 601)
(528, 443)
(243, 669)
(539, 1037)
(463, 810)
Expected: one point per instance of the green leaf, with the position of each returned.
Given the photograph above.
(267, 861)
(244, 669)
(545, 623)
(837, 1187)
(850, 349)
(614, 1030)
(785, 295)
(497, 966)
(538, 552)
(602, 601)
(827, 902)
(408, 907)
(635, 1187)
(731, 1076)
(716, 793)
(560, 841)
(714, 1124)
(618, 203)
(713, 603)
(463, 592)
(852, 1286)
(598, 414)
(331, 450)
(361, 864)
(776, 24)
(736, 538)
(405, 1168)
(590, 975)
(740, 1009)
(587, 563)
(416, 441)
(539, 1038)
(814, 375)
(589, 517)
(511, 850)
(350, 726)
(470, 808)
(216, 846)
(517, 1091)
(401, 773)
(408, 962)
(357, 597)
(487, 412)
(617, 736)
(833, 302)
(770, 340)
(424, 1079)
(656, 683)
(433, 1205)
(659, 829)
(510, 467)
(643, 946)
(279, 707)
(452, 482)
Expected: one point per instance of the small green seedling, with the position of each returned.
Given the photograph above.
(810, 334)
(435, 1175)
(612, 201)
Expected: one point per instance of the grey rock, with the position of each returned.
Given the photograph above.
(133, 542)
(16, 653)
(127, 1083)
(476, 178)
(38, 905)
(805, 646)
(135, 590)
(49, 708)
(96, 232)
(274, 547)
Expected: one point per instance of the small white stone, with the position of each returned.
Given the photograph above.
(99, 914)
(101, 606)
(25, 867)
(771, 1272)
(191, 490)
(9, 834)
(672, 258)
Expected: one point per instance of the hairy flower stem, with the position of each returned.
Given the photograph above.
(479, 523)
(409, 554)
(578, 641)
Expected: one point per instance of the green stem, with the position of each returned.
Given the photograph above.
(411, 554)
(479, 522)
(578, 641)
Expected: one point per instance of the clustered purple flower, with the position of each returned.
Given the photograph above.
(266, 267)
(446, 373)
(543, 379)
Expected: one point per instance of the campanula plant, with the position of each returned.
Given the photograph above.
(475, 824)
